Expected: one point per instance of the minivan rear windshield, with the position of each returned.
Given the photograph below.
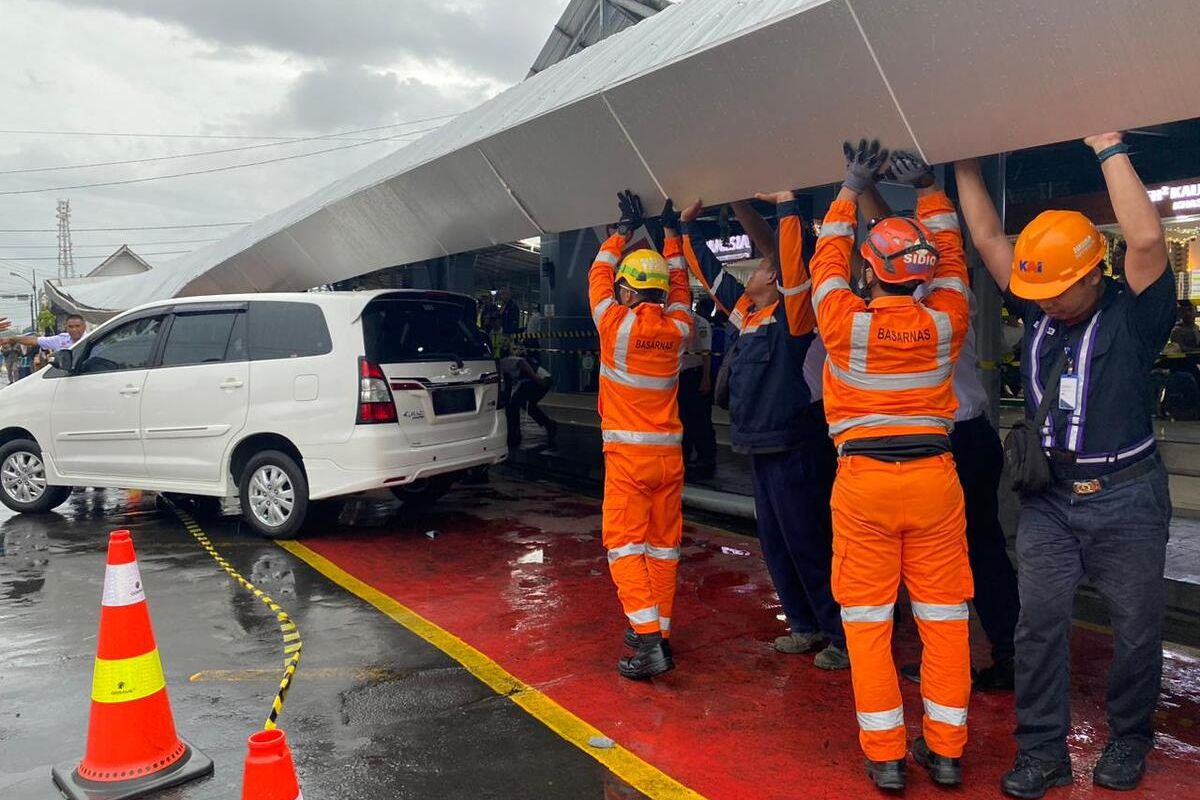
(399, 329)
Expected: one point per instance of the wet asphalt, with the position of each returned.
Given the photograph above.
(374, 712)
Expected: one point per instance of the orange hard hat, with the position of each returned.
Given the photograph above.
(899, 250)
(1053, 252)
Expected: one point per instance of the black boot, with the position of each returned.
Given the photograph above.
(999, 677)
(1121, 767)
(650, 659)
(944, 770)
(1031, 777)
(887, 775)
(631, 640)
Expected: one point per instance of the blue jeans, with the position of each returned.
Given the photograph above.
(1117, 537)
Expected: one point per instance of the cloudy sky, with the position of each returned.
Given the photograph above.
(265, 68)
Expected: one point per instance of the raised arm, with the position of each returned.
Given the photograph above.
(797, 285)
(723, 287)
(987, 234)
(604, 305)
(679, 293)
(1146, 253)
(757, 228)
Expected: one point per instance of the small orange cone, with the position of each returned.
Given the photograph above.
(270, 774)
(132, 746)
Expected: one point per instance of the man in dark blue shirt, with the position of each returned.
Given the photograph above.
(1107, 512)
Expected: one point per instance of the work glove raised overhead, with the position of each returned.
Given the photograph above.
(669, 217)
(630, 206)
(863, 164)
(910, 169)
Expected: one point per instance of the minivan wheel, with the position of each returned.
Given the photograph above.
(274, 494)
(23, 486)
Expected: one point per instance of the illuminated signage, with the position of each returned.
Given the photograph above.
(735, 248)
(1181, 196)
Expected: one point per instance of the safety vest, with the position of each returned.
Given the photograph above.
(641, 350)
(891, 362)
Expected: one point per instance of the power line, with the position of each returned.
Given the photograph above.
(324, 137)
(156, 253)
(138, 228)
(210, 170)
(109, 246)
(142, 135)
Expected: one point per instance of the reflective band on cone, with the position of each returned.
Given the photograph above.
(127, 679)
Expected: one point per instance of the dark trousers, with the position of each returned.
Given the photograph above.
(979, 459)
(526, 394)
(1117, 537)
(791, 499)
(695, 413)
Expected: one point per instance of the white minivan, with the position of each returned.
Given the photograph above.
(276, 399)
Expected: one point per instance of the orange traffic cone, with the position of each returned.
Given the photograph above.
(132, 746)
(270, 774)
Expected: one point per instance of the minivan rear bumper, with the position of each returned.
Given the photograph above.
(379, 465)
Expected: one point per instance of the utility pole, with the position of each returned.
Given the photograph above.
(66, 257)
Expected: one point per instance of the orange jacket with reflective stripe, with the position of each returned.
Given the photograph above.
(640, 353)
(890, 362)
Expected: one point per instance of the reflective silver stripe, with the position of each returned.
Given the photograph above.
(831, 285)
(663, 553)
(892, 381)
(860, 333)
(601, 307)
(645, 616)
(948, 283)
(626, 550)
(685, 331)
(737, 318)
(949, 715)
(606, 257)
(676, 262)
(836, 229)
(641, 437)
(679, 307)
(763, 324)
(933, 612)
(795, 290)
(945, 333)
(875, 420)
(639, 381)
(868, 613)
(881, 720)
(621, 348)
(664, 623)
(717, 283)
(940, 222)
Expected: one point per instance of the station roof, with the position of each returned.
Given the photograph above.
(714, 99)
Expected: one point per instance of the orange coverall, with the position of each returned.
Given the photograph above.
(640, 353)
(888, 376)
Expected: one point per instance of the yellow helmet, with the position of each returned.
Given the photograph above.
(644, 269)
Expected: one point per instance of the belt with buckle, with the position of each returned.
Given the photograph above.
(1086, 487)
(1137, 470)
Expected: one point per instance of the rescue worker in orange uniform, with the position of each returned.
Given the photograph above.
(641, 348)
(897, 502)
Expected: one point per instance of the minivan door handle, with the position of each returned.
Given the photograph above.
(232, 383)
(131, 390)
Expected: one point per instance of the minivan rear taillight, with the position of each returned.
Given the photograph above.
(374, 398)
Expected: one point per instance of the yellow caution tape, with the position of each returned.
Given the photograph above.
(126, 679)
(292, 644)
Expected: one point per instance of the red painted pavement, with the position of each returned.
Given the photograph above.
(517, 570)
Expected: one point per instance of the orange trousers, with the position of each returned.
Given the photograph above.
(893, 521)
(642, 529)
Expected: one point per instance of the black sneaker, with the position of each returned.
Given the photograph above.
(999, 677)
(944, 770)
(1121, 767)
(888, 775)
(631, 640)
(1031, 777)
(912, 672)
(650, 659)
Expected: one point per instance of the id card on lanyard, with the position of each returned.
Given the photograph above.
(1069, 385)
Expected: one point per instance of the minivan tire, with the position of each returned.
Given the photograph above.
(26, 456)
(270, 482)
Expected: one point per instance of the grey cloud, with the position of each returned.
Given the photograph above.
(496, 39)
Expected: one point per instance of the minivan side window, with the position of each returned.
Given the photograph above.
(201, 339)
(280, 329)
(127, 346)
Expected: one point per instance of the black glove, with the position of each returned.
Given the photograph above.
(669, 216)
(632, 215)
(863, 164)
(910, 169)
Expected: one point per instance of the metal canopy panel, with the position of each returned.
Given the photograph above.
(979, 76)
(544, 169)
(737, 119)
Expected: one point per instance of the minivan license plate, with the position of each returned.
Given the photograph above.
(453, 401)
